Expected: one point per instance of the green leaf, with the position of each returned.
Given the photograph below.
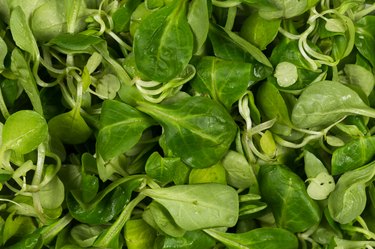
(313, 166)
(224, 81)
(352, 155)
(196, 121)
(360, 76)
(161, 168)
(259, 238)
(272, 103)
(158, 216)
(3, 53)
(121, 17)
(260, 31)
(52, 195)
(163, 43)
(271, 9)
(365, 39)
(105, 206)
(50, 20)
(74, 42)
(30, 241)
(234, 43)
(89, 187)
(191, 239)
(121, 128)
(138, 234)
(285, 193)
(213, 174)
(108, 86)
(21, 70)
(85, 235)
(238, 170)
(70, 127)
(22, 34)
(348, 200)
(24, 131)
(198, 206)
(339, 101)
(198, 19)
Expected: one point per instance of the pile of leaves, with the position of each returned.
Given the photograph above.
(187, 124)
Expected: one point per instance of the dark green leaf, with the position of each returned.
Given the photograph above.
(224, 81)
(163, 43)
(121, 128)
(353, 155)
(286, 195)
(105, 206)
(197, 130)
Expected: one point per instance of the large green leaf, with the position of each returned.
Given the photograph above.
(24, 131)
(285, 193)
(198, 206)
(325, 102)
(163, 43)
(196, 129)
(225, 81)
(121, 128)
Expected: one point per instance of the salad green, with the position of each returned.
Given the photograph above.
(187, 124)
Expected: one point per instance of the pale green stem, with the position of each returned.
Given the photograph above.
(288, 144)
(120, 41)
(101, 23)
(244, 110)
(364, 12)
(288, 34)
(38, 80)
(335, 74)
(7, 200)
(231, 17)
(5, 158)
(37, 179)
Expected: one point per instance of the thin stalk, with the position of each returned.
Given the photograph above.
(231, 17)
(364, 12)
(37, 179)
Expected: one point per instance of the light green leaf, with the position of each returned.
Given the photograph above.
(52, 195)
(23, 131)
(70, 127)
(22, 34)
(199, 206)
